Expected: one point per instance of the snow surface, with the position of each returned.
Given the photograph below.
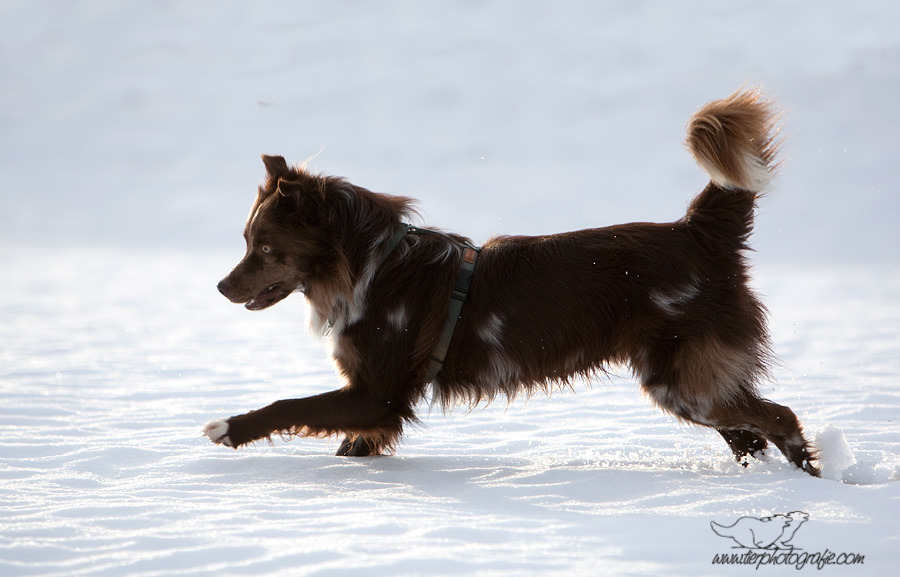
(129, 142)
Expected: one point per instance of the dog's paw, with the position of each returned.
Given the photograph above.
(217, 431)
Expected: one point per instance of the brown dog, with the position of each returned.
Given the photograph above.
(669, 300)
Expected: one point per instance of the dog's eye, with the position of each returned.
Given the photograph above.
(266, 249)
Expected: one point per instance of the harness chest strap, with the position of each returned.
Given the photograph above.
(457, 296)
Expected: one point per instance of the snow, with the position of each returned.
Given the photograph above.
(837, 456)
(130, 136)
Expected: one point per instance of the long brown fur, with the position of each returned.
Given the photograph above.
(670, 300)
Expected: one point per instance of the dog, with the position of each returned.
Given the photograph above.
(409, 308)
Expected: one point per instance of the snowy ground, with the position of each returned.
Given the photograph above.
(129, 143)
(112, 362)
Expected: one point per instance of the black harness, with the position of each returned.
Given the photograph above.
(457, 296)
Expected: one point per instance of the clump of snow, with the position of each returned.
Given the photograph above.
(839, 462)
(835, 454)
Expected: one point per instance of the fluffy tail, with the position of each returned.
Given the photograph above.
(735, 142)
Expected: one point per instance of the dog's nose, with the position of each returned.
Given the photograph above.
(223, 287)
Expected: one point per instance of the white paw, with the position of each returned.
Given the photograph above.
(217, 431)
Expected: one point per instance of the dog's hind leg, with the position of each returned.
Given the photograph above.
(357, 446)
(377, 421)
(744, 443)
(713, 387)
(747, 424)
(774, 422)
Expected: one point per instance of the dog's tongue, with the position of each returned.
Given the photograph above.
(266, 298)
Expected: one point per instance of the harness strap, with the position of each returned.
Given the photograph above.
(457, 296)
(393, 243)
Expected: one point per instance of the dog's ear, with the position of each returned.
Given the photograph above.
(275, 166)
(289, 188)
(303, 198)
(299, 200)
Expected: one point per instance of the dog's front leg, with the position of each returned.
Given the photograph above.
(344, 411)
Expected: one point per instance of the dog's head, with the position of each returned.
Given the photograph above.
(289, 242)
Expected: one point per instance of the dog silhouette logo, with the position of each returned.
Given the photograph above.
(775, 532)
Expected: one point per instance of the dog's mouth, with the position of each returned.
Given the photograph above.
(269, 297)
